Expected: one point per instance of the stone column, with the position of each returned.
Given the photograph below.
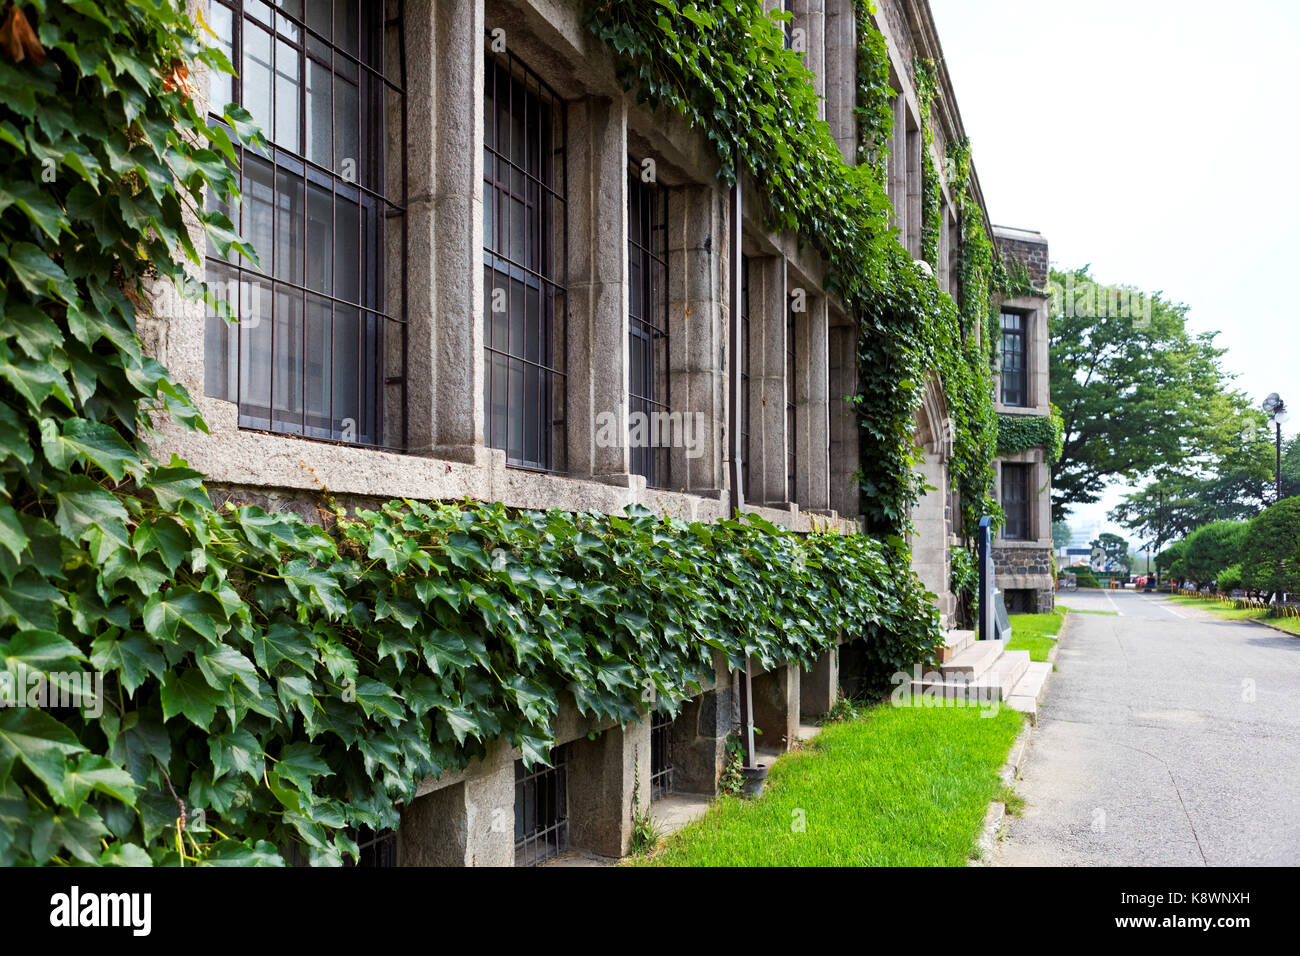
(445, 223)
(597, 357)
(470, 823)
(810, 16)
(697, 230)
(812, 467)
(768, 304)
(841, 76)
(700, 735)
(601, 775)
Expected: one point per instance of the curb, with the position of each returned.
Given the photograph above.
(997, 811)
(1010, 771)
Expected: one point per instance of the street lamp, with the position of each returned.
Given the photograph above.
(1276, 409)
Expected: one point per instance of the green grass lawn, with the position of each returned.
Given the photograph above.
(1035, 633)
(1227, 613)
(899, 786)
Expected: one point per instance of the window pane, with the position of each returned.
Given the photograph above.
(257, 197)
(256, 75)
(288, 81)
(320, 229)
(289, 247)
(221, 89)
(320, 101)
(287, 361)
(318, 368)
(347, 261)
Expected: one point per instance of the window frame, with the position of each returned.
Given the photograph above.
(543, 269)
(380, 323)
(1020, 374)
(1024, 483)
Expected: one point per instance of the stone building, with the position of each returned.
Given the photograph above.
(1022, 554)
(483, 269)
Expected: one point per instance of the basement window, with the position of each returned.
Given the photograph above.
(541, 810)
(661, 755)
(377, 847)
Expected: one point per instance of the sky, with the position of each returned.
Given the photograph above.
(1156, 140)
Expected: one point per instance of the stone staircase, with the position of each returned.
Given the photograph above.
(986, 671)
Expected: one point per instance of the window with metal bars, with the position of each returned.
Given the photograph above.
(744, 374)
(661, 754)
(524, 254)
(377, 847)
(541, 810)
(318, 345)
(791, 394)
(1015, 500)
(1014, 370)
(788, 27)
(647, 263)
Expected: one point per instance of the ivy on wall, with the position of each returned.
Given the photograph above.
(1017, 433)
(290, 680)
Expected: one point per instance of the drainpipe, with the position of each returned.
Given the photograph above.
(735, 447)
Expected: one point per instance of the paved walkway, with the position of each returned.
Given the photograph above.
(1167, 737)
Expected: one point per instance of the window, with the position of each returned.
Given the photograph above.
(1015, 500)
(377, 847)
(744, 374)
(319, 341)
(1014, 372)
(524, 235)
(541, 810)
(788, 28)
(791, 417)
(661, 754)
(647, 269)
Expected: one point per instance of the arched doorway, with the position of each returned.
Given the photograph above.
(932, 520)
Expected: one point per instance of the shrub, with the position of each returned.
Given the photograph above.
(1229, 578)
(1211, 548)
(1268, 556)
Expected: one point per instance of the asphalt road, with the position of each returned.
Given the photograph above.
(1167, 737)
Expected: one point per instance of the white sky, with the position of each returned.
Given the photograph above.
(1156, 140)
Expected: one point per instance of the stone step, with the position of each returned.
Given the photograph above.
(1029, 690)
(996, 683)
(957, 642)
(974, 660)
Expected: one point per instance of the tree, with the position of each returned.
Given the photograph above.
(1270, 558)
(1169, 561)
(1061, 534)
(1114, 548)
(1213, 547)
(1138, 396)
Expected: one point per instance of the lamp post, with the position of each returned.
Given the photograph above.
(1276, 409)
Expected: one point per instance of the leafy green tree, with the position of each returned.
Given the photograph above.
(1061, 534)
(1270, 555)
(1114, 548)
(1138, 396)
(1213, 547)
(1169, 561)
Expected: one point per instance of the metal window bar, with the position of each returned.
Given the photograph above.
(541, 810)
(787, 27)
(377, 847)
(791, 416)
(1014, 378)
(525, 239)
(744, 375)
(648, 392)
(661, 755)
(318, 344)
